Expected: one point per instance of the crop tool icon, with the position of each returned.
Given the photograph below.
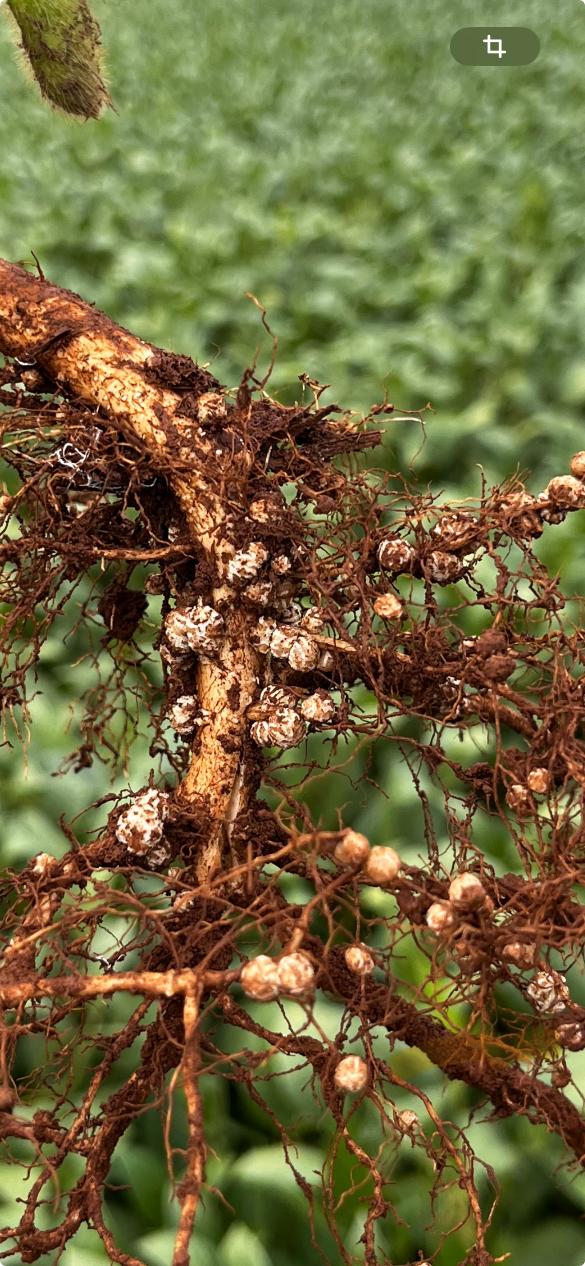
(494, 45)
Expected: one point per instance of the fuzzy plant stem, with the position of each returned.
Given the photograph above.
(62, 46)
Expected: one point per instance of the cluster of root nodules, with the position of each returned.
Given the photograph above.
(392, 632)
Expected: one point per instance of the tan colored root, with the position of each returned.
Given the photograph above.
(106, 367)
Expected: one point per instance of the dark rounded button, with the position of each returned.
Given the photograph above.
(495, 46)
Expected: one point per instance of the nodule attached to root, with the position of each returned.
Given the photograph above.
(62, 45)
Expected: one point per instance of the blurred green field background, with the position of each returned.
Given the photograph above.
(412, 227)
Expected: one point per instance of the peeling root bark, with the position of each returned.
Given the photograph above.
(190, 1187)
(106, 367)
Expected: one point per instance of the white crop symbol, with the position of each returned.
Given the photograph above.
(498, 49)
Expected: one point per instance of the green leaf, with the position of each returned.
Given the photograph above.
(267, 1167)
(241, 1247)
(557, 1240)
(156, 1249)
